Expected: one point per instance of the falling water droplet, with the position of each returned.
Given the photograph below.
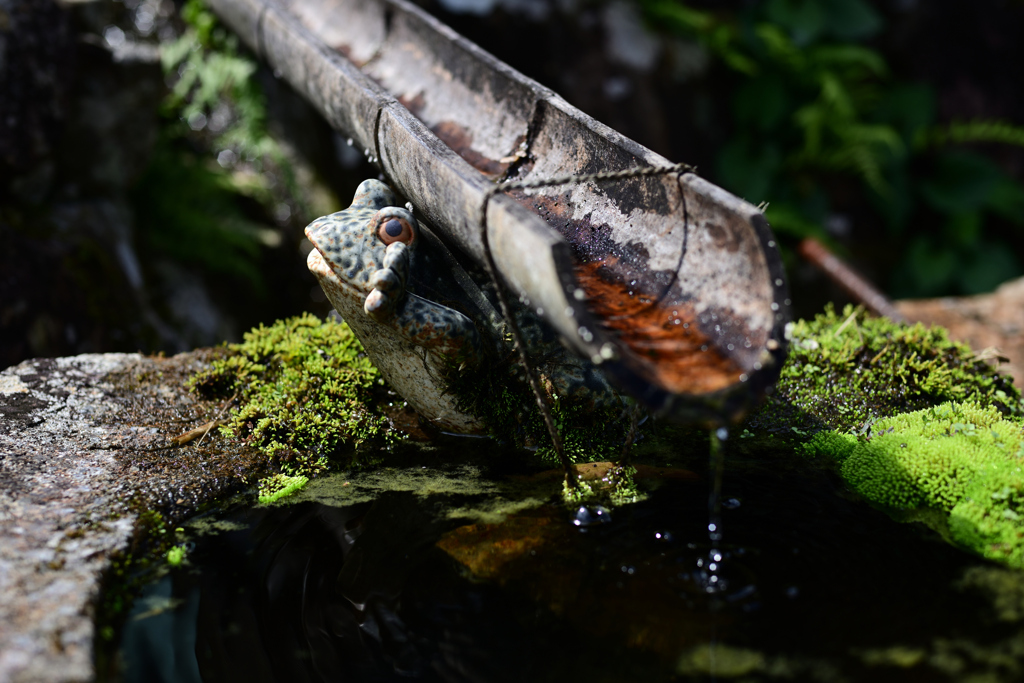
(713, 582)
(595, 514)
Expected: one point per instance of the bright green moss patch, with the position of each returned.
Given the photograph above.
(280, 485)
(304, 390)
(959, 459)
(846, 369)
(915, 423)
(176, 555)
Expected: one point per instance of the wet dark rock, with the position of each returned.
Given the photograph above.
(35, 37)
(78, 122)
(83, 450)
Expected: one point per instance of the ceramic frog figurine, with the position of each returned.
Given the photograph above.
(417, 312)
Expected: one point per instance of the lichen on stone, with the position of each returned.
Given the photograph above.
(305, 393)
(847, 369)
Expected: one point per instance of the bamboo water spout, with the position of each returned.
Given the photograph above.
(671, 285)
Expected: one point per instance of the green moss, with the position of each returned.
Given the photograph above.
(847, 369)
(962, 460)
(583, 492)
(278, 486)
(720, 660)
(502, 398)
(621, 485)
(176, 555)
(616, 487)
(990, 519)
(305, 393)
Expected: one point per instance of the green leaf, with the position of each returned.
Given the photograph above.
(897, 205)
(962, 230)
(851, 19)
(748, 170)
(861, 61)
(761, 102)
(678, 16)
(174, 53)
(779, 47)
(788, 219)
(804, 20)
(988, 266)
(931, 268)
(978, 131)
(907, 107)
(961, 182)
(1006, 198)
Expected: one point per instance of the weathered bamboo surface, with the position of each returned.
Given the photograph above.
(669, 283)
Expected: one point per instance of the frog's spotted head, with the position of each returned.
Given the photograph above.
(352, 242)
(373, 194)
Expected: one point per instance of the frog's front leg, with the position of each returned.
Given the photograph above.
(388, 283)
(422, 322)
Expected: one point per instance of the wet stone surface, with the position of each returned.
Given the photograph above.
(83, 448)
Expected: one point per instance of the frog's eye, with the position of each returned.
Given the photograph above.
(395, 229)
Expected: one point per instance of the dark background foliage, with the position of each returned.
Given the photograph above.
(155, 180)
(890, 130)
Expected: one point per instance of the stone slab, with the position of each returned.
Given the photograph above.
(83, 446)
(57, 490)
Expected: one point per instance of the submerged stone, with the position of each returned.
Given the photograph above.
(590, 515)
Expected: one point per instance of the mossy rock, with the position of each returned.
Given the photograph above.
(305, 393)
(956, 467)
(918, 425)
(845, 370)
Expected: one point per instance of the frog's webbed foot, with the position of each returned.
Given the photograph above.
(388, 283)
(439, 329)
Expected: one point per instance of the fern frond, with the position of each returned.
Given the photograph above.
(977, 131)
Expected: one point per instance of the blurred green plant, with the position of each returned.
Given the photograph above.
(211, 74)
(210, 193)
(813, 101)
(193, 214)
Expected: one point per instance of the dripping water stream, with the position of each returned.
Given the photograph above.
(715, 584)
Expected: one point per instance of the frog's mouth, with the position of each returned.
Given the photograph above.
(334, 287)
